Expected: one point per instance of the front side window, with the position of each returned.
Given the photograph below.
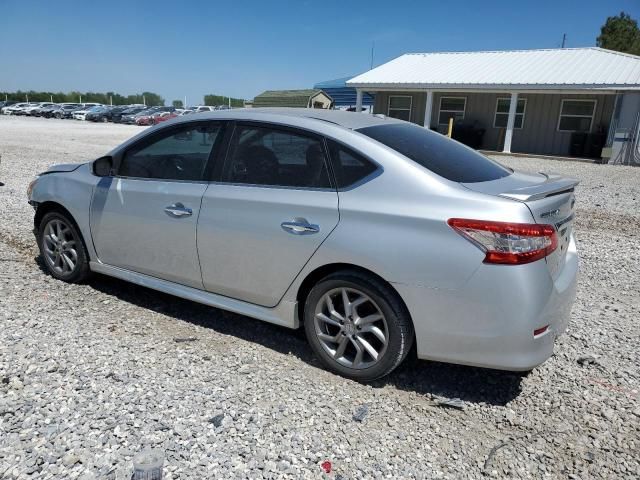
(178, 154)
(451, 107)
(400, 107)
(270, 156)
(576, 115)
(437, 153)
(502, 113)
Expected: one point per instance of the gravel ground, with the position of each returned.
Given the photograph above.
(91, 374)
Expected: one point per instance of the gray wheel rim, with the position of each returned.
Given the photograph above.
(351, 328)
(60, 247)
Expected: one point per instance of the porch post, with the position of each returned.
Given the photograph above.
(428, 109)
(358, 100)
(511, 121)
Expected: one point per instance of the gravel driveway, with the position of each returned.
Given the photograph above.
(91, 374)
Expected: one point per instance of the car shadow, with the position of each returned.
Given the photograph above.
(469, 384)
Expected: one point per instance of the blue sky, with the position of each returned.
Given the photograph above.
(240, 48)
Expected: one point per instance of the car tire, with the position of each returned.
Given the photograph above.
(364, 341)
(62, 248)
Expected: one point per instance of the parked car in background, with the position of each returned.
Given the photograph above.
(132, 119)
(44, 111)
(66, 111)
(203, 108)
(117, 117)
(82, 113)
(37, 111)
(164, 116)
(155, 118)
(6, 103)
(104, 114)
(19, 108)
(14, 107)
(371, 233)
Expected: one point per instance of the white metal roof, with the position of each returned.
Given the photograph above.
(563, 69)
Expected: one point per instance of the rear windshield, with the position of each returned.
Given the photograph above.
(449, 159)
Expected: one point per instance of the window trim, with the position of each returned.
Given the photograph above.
(230, 148)
(584, 100)
(440, 110)
(217, 149)
(410, 97)
(524, 112)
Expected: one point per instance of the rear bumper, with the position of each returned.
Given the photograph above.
(489, 322)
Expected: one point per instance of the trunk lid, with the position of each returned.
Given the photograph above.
(549, 198)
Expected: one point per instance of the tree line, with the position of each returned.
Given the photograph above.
(214, 100)
(148, 98)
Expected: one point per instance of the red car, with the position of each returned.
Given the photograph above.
(155, 118)
(164, 116)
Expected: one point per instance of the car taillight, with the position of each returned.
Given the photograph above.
(508, 243)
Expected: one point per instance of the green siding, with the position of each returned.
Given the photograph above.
(539, 134)
(284, 98)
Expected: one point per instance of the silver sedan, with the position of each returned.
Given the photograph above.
(372, 233)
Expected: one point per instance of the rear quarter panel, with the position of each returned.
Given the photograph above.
(396, 226)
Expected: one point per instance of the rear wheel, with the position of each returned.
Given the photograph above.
(62, 248)
(357, 325)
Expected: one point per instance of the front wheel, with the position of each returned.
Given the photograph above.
(357, 325)
(62, 248)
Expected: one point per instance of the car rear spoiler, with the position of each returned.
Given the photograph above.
(554, 185)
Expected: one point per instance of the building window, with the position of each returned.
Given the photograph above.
(451, 107)
(400, 107)
(502, 113)
(576, 115)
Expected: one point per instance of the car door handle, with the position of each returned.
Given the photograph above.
(300, 226)
(178, 210)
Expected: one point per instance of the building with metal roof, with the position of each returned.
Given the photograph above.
(310, 98)
(555, 101)
(343, 96)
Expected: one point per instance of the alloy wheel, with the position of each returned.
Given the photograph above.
(60, 247)
(351, 328)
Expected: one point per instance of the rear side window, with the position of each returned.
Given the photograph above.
(178, 154)
(269, 156)
(349, 167)
(447, 158)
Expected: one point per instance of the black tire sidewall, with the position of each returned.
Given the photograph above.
(398, 343)
(82, 267)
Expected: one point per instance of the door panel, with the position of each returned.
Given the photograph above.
(132, 229)
(244, 250)
(145, 218)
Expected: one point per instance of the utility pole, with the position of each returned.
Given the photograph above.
(51, 98)
(564, 39)
(373, 46)
(144, 100)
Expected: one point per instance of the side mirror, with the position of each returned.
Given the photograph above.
(103, 167)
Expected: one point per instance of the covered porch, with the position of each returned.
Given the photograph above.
(543, 122)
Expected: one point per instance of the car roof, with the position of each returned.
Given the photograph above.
(350, 120)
